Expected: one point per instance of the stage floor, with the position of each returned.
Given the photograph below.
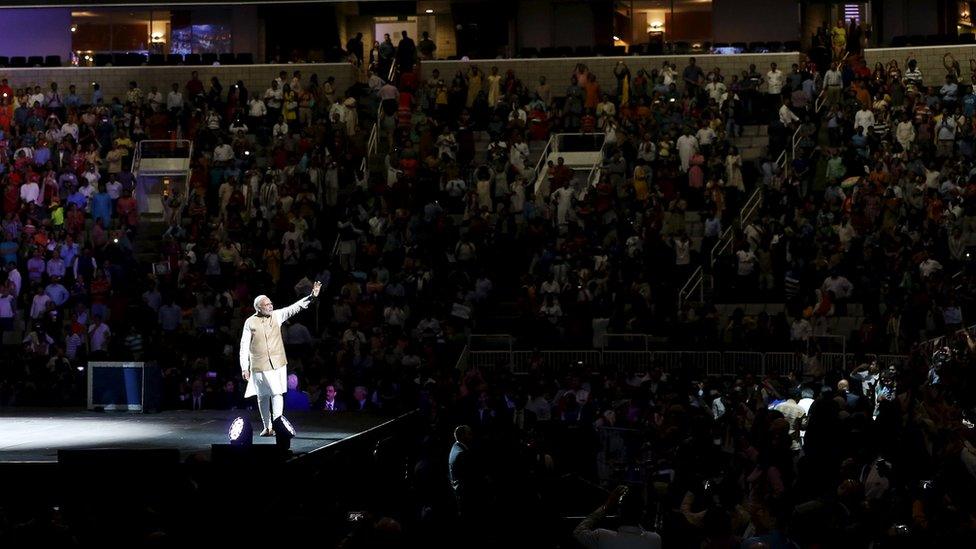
(34, 435)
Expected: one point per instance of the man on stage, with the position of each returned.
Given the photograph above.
(263, 361)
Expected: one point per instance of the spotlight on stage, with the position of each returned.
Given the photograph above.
(284, 432)
(240, 432)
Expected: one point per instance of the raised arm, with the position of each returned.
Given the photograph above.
(284, 314)
(281, 315)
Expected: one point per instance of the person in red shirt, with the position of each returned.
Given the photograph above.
(127, 209)
(11, 197)
(5, 90)
(194, 87)
(561, 174)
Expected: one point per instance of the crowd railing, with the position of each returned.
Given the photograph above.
(700, 364)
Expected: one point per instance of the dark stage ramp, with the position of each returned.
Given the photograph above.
(34, 435)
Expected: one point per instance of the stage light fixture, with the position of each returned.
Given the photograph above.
(284, 432)
(240, 432)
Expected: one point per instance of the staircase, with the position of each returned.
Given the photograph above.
(503, 311)
(753, 143)
(159, 167)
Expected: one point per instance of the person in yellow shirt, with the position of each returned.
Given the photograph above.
(838, 40)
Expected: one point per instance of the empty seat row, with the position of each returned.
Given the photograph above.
(132, 59)
(202, 59)
(932, 40)
(656, 49)
(156, 59)
(20, 61)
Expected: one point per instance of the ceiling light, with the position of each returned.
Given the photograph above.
(428, 11)
(74, 28)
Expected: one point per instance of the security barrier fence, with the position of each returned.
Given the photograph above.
(696, 363)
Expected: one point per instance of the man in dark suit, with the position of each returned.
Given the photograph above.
(523, 420)
(332, 404)
(406, 53)
(461, 471)
(485, 416)
(355, 47)
(197, 400)
(843, 391)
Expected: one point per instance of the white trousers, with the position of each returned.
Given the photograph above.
(271, 408)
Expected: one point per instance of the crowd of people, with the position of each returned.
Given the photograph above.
(433, 236)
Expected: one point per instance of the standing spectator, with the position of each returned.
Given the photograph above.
(99, 336)
(426, 47)
(355, 47)
(774, 86)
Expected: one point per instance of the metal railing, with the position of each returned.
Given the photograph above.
(540, 171)
(789, 153)
(930, 345)
(161, 148)
(181, 149)
(696, 282)
(554, 145)
(695, 363)
(595, 172)
(372, 144)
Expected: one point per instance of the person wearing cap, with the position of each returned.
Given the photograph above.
(262, 355)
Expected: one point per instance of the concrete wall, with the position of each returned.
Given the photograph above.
(35, 32)
(929, 60)
(115, 80)
(765, 20)
(558, 71)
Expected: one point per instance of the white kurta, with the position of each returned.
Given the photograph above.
(271, 382)
(687, 147)
(563, 197)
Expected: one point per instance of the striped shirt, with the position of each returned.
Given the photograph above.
(71, 345)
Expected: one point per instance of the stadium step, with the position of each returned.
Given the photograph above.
(754, 131)
(752, 153)
(149, 238)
